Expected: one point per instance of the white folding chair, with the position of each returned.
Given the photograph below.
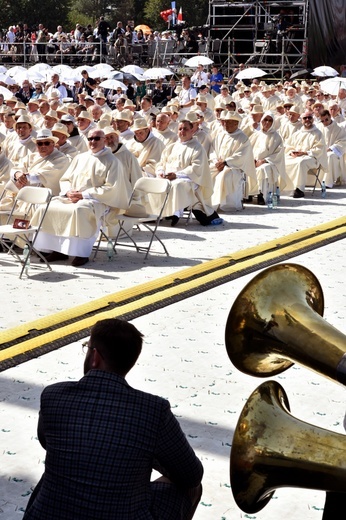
(315, 173)
(143, 188)
(30, 197)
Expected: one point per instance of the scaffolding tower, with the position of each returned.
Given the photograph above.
(261, 33)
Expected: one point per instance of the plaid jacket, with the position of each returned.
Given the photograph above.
(102, 440)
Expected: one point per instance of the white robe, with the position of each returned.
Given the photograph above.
(189, 161)
(147, 153)
(312, 142)
(229, 184)
(335, 139)
(269, 146)
(72, 228)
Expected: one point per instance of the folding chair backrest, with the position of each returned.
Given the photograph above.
(152, 185)
(34, 195)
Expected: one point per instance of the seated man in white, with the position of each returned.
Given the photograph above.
(335, 139)
(269, 157)
(93, 183)
(230, 160)
(305, 150)
(145, 146)
(185, 164)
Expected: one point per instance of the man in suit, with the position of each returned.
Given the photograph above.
(103, 438)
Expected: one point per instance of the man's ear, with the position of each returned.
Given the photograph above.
(96, 360)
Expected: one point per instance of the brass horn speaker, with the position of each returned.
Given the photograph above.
(276, 321)
(273, 449)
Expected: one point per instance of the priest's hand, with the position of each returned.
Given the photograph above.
(74, 196)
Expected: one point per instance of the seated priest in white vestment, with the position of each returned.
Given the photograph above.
(232, 165)
(305, 150)
(93, 183)
(145, 146)
(335, 139)
(185, 164)
(269, 154)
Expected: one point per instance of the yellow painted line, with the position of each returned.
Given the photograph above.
(246, 259)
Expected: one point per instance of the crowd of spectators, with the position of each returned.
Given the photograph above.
(91, 44)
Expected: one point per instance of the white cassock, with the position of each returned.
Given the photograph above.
(47, 171)
(312, 142)
(78, 141)
(269, 146)
(287, 129)
(189, 161)
(166, 136)
(235, 149)
(335, 139)
(147, 153)
(17, 150)
(72, 228)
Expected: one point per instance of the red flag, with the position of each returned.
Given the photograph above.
(180, 15)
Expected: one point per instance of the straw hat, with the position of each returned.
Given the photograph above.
(295, 109)
(85, 115)
(192, 117)
(68, 117)
(140, 124)
(201, 99)
(60, 128)
(109, 130)
(34, 101)
(45, 135)
(54, 94)
(53, 114)
(124, 115)
(257, 109)
(23, 119)
(232, 116)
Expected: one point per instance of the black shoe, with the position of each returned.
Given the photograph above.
(78, 261)
(168, 218)
(55, 256)
(260, 199)
(298, 194)
(174, 220)
(249, 200)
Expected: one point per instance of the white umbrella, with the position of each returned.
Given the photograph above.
(113, 84)
(133, 69)
(103, 66)
(40, 67)
(7, 79)
(250, 73)
(332, 85)
(13, 71)
(6, 93)
(3, 70)
(60, 69)
(198, 60)
(324, 72)
(101, 73)
(89, 69)
(157, 72)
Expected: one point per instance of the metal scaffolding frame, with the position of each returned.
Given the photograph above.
(267, 34)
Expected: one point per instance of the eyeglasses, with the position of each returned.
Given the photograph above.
(307, 117)
(267, 120)
(44, 143)
(86, 347)
(95, 138)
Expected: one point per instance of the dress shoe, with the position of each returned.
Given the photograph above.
(298, 194)
(55, 256)
(78, 261)
(175, 220)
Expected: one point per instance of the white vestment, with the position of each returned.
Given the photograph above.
(272, 173)
(335, 139)
(312, 142)
(148, 153)
(229, 184)
(72, 228)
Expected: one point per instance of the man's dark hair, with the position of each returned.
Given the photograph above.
(148, 98)
(188, 122)
(118, 342)
(324, 113)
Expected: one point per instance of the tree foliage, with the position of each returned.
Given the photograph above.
(50, 13)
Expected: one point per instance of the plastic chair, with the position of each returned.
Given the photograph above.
(137, 216)
(30, 197)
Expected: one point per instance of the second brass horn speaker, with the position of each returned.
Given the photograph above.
(276, 321)
(272, 449)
